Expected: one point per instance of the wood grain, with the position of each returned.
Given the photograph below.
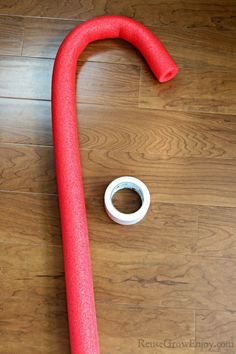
(33, 77)
(11, 35)
(175, 134)
(163, 133)
(32, 271)
(134, 329)
(187, 14)
(123, 277)
(205, 82)
(116, 84)
(25, 121)
(167, 228)
(31, 169)
(218, 329)
(29, 219)
(45, 43)
(27, 169)
(208, 181)
(189, 282)
(217, 229)
(200, 42)
(32, 325)
(34, 219)
(196, 89)
(47, 321)
(185, 229)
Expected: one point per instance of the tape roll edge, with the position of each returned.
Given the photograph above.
(127, 182)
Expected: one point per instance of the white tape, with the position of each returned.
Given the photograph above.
(127, 182)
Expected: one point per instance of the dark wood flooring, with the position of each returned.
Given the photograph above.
(171, 277)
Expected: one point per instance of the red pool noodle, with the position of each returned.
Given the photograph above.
(78, 273)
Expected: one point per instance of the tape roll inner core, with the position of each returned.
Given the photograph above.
(130, 186)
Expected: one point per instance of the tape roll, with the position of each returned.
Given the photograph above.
(132, 183)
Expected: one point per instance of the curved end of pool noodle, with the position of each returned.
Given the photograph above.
(78, 274)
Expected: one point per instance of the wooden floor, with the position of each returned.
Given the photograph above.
(171, 278)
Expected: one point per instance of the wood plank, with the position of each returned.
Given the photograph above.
(164, 133)
(197, 88)
(25, 77)
(130, 330)
(121, 328)
(35, 271)
(34, 219)
(123, 277)
(172, 276)
(167, 228)
(188, 14)
(25, 121)
(200, 43)
(172, 180)
(189, 282)
(115, 84)
(216, 330)
(205, 82)
(27, 169)
(217, 230)
(45, 43)
(31, 325)
(30, 271)
(11, 35)
(29, 219)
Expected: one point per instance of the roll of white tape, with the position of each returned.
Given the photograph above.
(127, 182)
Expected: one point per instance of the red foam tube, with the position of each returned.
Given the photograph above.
(78, 272)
